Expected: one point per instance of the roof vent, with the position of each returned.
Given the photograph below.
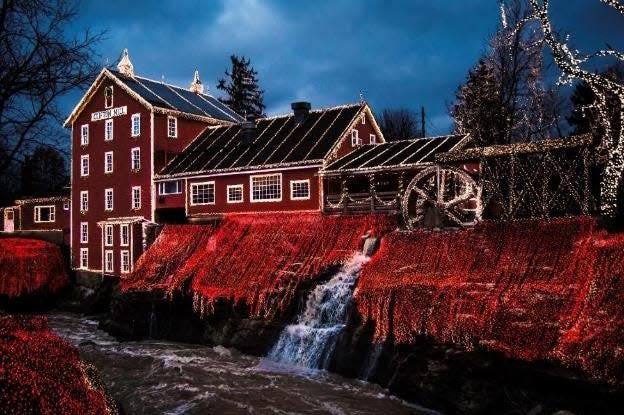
(248, 131)
(124, 66)
(197, 86)
(301, 111)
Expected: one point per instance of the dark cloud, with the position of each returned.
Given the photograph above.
(397, 53)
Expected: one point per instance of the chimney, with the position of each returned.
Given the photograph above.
(248, 130)
(301, 111)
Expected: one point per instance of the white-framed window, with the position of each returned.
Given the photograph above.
(125, 261)
(108, 97)
(300, 189)
(84, 165)
(108, 235)
(44, 214)
(172, 127)
(124, 234)
(108, 162)
(108, 130)
(108, 199)
(84, 134)
(173, 187)
(108, 261)
(84, 232)
(363, 119)
(135, 158)
(203, 193)
(66, 205)
(84, 258)
(235, 193)
(136, 197)
(373, 138)
(135, 125)
(355, 138)
(84, 200)
(265, 188)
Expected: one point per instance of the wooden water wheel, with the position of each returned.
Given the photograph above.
(441, 196)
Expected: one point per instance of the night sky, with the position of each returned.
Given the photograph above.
(396, 53)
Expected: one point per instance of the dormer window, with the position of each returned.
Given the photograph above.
(108, 97)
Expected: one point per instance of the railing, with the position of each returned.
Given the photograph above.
(361, 202)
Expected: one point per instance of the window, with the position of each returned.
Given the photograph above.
(172, 127)
(84, 258)
(108, 162)
(135, 158)
(84, 165)
(125, 261)
(169, 188)
(355, 138)
(136, 197)
(108, 97)
(44, 213)
(108, 130)
(108, 261)
(266, 188)
(363, 119)
(300, 189)
(84, 200)
(136, 125)
(373, 138)
(84, 232)
(66, 205)
(108, 235)
(203, 193)
(84, 135)
(235, 193)
(108, 199)
(124, 235)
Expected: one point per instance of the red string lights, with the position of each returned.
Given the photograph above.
(530, 289)
(29, 265)
(40, 373)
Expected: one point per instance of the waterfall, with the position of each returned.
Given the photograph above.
(310, 343)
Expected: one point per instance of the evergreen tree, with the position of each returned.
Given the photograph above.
(44, 173)
(399, 124)
(243, 94)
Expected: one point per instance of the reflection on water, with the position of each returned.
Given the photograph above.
(152, 377)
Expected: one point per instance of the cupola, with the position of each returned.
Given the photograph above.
(125, 66)
(196, 85)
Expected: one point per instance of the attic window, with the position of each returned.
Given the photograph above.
(373, 139)
(108, 97)
(363, 119)
(355, 138)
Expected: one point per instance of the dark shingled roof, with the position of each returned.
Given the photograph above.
(396, 154)
(277, 141)
(175, 98)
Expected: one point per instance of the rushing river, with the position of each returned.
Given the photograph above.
(158, 377)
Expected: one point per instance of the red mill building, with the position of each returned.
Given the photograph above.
(124, 130)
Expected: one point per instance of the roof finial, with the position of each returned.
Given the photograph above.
(362, 98)
(125, 66)
(196, 85)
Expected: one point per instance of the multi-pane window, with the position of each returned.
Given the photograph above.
(373, 139)
(84, 135)
(125, 261)
(266, 188)
(235, 193)
(124, 235)
(84, 232)
(203, 193)
(84, 200)
(135, 158)
(84, 165)
(169, 188)
(299, 189)
(108, 97)
(108, 261)
(355, 138)
(108, 162)
(172, 127)
(136, 197)
(108, 199)
(66, 205)
(136, 124)
(44, 213)
(108, 235)
(84, 258)
(108, 130)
